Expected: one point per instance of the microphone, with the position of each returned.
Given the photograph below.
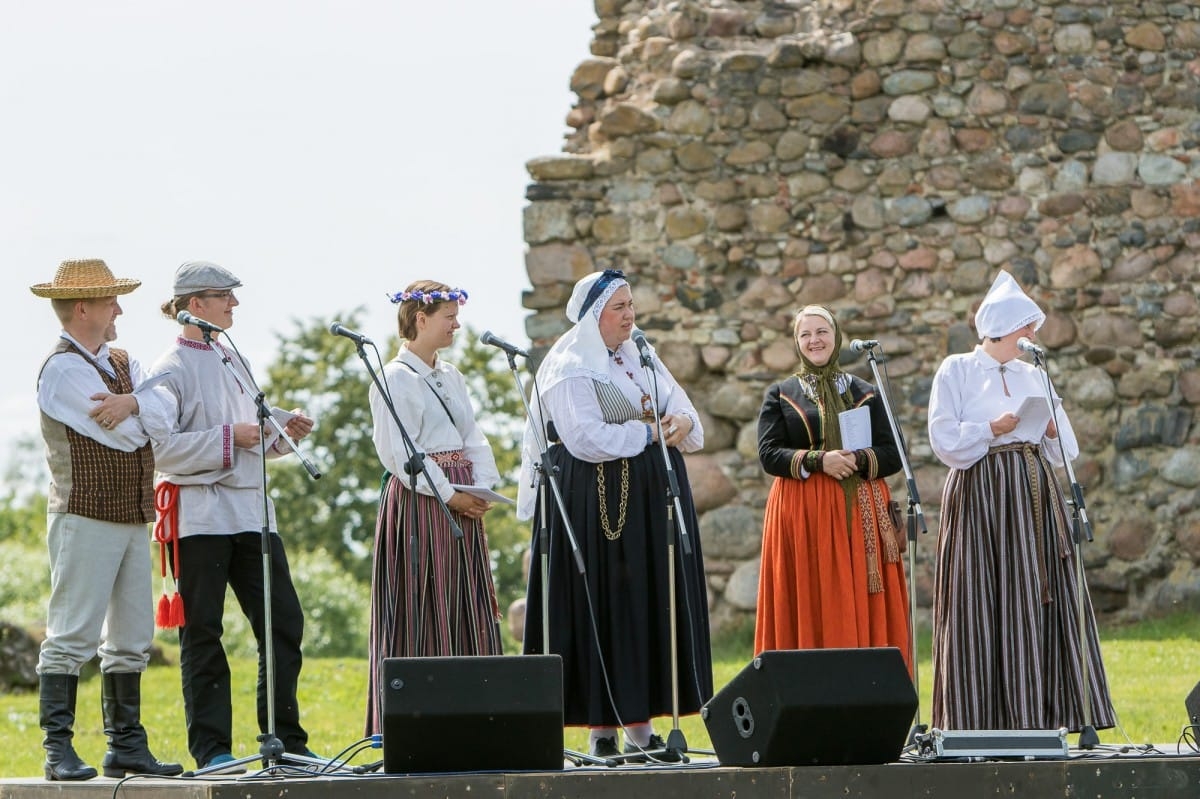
(643, 346)
(358, 338)
(511, 349)
(185, 318)
(858, 345)
(1025, 345)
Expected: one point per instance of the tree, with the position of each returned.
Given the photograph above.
(23, 497)
(323, 375)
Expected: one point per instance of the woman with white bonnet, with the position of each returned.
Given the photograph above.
(596, 401)
(1006, 634)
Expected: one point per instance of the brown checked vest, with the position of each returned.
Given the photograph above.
(86, 477)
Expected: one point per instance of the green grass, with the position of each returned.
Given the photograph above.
(1151, 668)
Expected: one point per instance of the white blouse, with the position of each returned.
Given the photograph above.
(969, 392)
(418, 393)
(68, 381)
(575, 411)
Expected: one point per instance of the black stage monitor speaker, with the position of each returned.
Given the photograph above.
(814, 707)
(494, 713)
(1192, 703)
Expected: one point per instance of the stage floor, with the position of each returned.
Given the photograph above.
(1100, 774)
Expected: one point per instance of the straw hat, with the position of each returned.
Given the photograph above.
(84, 280)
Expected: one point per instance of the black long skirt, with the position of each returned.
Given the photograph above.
(625, 589)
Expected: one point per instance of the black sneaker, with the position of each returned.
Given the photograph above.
(605, 747)
(654, 747)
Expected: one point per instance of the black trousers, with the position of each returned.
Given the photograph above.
(209, 564)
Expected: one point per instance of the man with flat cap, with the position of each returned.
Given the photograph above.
(211, 472)
(98, 418)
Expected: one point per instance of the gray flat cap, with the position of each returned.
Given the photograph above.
(194, 276)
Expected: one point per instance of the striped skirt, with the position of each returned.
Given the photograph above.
(451, 604)
(1006, 633)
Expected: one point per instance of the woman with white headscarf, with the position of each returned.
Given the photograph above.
(1006, 636)
(596, 402)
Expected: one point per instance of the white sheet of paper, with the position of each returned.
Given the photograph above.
(151, 382)
(1033, 416)
(481, 492)
(281, 416)
(855, 425)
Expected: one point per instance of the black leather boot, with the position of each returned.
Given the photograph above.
(56, 709)
(128, 751)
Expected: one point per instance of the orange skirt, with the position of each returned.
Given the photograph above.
(812, 589)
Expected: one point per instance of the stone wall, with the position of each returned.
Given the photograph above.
(741, 159)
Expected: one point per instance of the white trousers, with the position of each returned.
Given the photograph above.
(100, 596)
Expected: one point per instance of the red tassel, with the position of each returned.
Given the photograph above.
(166, 531)
(177, 617)
(162, 617)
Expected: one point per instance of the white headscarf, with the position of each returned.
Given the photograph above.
(1006, 309)
(580, 352)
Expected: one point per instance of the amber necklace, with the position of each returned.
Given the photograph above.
(647, 403)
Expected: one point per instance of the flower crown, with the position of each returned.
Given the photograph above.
(430, 297)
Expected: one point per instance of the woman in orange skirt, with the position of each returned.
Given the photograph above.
(831, 573)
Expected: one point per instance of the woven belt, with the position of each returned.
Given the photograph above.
(1032, 454)
(454, 457)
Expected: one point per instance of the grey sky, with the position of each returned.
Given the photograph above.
(326, 152)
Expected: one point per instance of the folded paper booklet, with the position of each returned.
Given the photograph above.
(482, 493)
(1033, 416)
(855, 426)
(281, 416)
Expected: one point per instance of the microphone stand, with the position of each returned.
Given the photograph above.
(270, 751)
(915, 518)
(1081, 528)
(414, 467)
(549, 477)
(676, 747)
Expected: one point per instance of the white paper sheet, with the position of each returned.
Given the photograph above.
(855, 425)
(1033, 417)
(151, 382)
(281, 416)
(483, 493)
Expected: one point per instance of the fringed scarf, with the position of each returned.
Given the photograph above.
(821, 384)
(829, 389)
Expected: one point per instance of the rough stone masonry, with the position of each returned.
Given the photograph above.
(741, 159)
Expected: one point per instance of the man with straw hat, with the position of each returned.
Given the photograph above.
(98, 418)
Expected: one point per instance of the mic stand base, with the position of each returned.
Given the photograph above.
(1088, 738)
(584, 759)
(916, 735)
(677, 749)
(270, 749)
(272, 756)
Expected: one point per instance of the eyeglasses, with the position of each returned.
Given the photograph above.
(218, 295)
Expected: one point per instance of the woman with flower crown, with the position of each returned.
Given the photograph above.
(612, 625)
(451, 609)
